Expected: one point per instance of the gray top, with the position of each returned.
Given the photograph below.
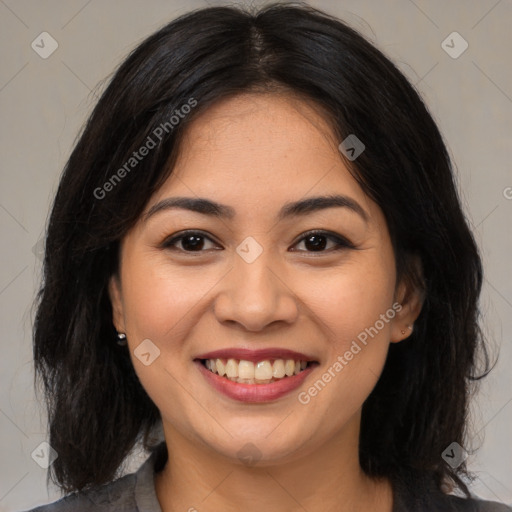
(136, 493)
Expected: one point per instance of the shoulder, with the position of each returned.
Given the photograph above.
(133, 492)
(118, 495)
(477, 505)
(448, 503)
(431, 499)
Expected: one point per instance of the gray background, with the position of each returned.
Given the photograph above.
(43, 103)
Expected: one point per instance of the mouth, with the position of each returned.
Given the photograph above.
(255, 376)
(256, 373)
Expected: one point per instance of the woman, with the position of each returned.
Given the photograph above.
(261, 212)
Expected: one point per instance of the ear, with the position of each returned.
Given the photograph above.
(410, 295)
(114, 291)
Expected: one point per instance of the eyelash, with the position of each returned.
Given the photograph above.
(341, 243)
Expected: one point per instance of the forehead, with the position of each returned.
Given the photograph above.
(266, 126)
(257, 151)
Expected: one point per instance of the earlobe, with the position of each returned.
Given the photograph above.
(403, 323)
(114, 291)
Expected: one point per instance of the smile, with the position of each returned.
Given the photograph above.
(255, 376)
(260, 372)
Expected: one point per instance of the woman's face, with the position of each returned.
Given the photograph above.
(252, 279)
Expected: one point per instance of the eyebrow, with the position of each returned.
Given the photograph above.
(292, 209)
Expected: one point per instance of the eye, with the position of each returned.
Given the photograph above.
(314, 241)
(317, 241)
(190, 241)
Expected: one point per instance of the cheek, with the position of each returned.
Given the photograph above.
(158, 299)
(352, 299)
(354, 306)
(351, 305)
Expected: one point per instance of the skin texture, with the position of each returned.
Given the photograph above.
(254, 153)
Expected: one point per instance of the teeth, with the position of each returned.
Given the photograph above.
(231, 368)
(289, 367)
(262, 372)
(278, 369)
(246, 370)
(221, 367)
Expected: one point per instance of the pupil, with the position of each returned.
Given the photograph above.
(193, 242)
(318, 245)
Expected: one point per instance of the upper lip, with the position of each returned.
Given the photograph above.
(255, 355)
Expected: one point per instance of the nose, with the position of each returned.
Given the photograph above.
(255, 295)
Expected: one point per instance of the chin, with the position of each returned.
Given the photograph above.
(265, 447)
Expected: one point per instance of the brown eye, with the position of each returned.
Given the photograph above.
(190, 241)
(318, 241)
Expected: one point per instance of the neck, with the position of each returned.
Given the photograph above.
(329, 479)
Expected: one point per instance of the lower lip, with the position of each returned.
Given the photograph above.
(254, 392)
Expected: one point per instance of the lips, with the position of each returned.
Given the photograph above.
(255, 393)
(267, 390)
(255, 355)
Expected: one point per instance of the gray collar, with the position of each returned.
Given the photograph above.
(145, 493)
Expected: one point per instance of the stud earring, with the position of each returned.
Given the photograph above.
(403, 331)
(121, 339)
